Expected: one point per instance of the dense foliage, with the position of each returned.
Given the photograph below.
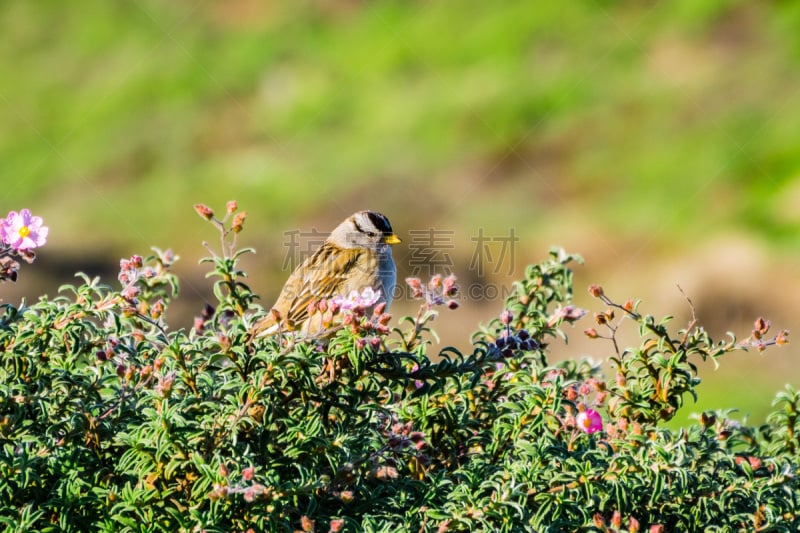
(111, 421)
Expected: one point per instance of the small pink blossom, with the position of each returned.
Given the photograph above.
(568, 313)
(416, 287)
(354, 300)
(589, 421)
(22, 231)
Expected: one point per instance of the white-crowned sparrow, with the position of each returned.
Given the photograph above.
(356, 255)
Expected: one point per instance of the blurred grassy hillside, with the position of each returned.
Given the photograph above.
(658, 139)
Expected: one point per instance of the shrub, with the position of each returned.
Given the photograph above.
(112, 421)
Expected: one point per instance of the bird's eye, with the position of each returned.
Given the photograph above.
(371, 234)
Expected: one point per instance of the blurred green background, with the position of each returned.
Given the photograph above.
(657, 139)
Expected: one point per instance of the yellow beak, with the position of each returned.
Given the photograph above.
(392, 239)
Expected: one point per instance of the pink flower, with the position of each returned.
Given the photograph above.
(354, 300)
(589, 421)
(568, 314)
(22, 231)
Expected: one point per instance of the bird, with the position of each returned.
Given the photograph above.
(356, 255)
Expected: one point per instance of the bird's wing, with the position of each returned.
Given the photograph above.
(320, 276)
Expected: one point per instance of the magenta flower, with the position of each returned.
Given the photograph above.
(589, 421)
(22, 231)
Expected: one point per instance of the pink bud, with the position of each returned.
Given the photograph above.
(449, 286)
(238, 221)
(596, 290)
(204, 211)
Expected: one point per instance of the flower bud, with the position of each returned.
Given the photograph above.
(414, 283)
(449, 287)
(596, 290)
(238, 221)
(157, 310)
(204, 211)
(231, 206)
(435, 282)
(130, 292)
(761, 327)
(571, 394)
